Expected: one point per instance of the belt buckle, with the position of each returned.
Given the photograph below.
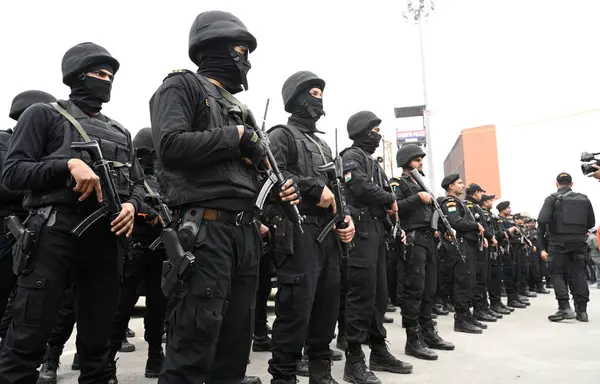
(238, 218)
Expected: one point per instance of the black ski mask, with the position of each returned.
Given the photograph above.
(226, 65)
(308, 107)
(368, 141)
(88, 92)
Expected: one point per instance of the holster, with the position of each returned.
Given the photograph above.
(26, 236)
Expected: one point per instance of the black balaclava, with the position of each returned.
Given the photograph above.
(223, 63)
(88, 93)
(146, 159)
(368, 141)
(308, 107)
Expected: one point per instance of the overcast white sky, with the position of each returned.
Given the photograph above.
(503, 62)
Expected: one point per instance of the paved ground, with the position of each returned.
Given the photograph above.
(521, 348)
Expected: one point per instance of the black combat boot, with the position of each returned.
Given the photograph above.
(474, 321)
(499, 309)
(355, 370)
(493, 313)
(415, 346)
(336, 355)
(154, 362)
(507, 307)
(126, 346)
(513, 302)
(112, 367)
(341, 342)
(482, 315)
(382, 360)
(503, 291)
(75, 363)
(251, 380)
(387, 320)
(302, 366)
(438, 309)
(261, 343)
(319, 372)
(462, 324)
(524, 300)
(390, 307)
(433, 340)
(581, 309)
(50, 365)
(528, 293)
(129, 333)
(564, 312)
(540, 289)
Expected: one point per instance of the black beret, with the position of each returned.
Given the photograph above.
(487, 197)
(564, 178)
(502, 205)
(450, 179)
(472, 188)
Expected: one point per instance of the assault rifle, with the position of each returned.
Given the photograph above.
(439, 214)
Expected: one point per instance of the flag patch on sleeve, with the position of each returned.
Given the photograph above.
(348, 177)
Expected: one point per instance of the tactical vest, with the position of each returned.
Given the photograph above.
(310, 157)
(488, 221)
(470, 235)
(115, 144)
(226, 179)
(374, 174)
(420, 218)
(570, 214)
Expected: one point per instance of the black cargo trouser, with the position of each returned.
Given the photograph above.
(420, 268)
(93, 262)
(480, 300)
(144, 265)
(522, 269)
(568, 271)
(509, 267)
(7, 279)
(343, 294)
(210, 328)
(445, 279)
(463, 275)
(535, 270)
(65, 319)
(495, 282)
(265, 267)
(393, 259)
(367, 296)
(307, 300)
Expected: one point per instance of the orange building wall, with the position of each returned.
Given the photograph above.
(474, 157)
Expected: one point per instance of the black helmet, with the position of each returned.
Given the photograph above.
(143, 140)
(361, 121)
(408, 152)
(85, 55)
(296, 84)
(26, 99)
(214, 26)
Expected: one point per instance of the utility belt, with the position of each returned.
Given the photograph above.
(319, 221)
(26, 236)
(364, 214)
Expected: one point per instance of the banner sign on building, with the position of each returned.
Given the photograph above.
(413, 136)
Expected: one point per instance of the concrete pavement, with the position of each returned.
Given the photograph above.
(521, 348)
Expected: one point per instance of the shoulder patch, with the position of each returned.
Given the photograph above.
(500, 221)
(451, 204)
(469, 205)
(452, 209)
(349, 165)
(347, 177)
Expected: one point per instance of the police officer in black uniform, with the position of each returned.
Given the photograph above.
(536, 264)
(490, 222)
(62, 190)
(366, 301)
(308, 272)
(145, 264)
(480, 302)
(568, 215)
(467, 234)
(415, 211)
(206, 154)
(11, 202)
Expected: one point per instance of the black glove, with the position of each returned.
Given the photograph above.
(251, 146)
(147, 212)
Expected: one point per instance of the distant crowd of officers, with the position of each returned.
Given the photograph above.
(345, 243)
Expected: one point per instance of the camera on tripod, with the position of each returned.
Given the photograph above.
(589, 160)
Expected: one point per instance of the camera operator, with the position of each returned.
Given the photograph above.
(568, 215)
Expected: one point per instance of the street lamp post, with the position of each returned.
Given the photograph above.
(418, 14)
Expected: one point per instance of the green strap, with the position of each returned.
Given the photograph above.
(81, 131)
(150, 191)
(70, 117)
(229, 97)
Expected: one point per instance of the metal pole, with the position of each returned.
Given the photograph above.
(428, 135)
